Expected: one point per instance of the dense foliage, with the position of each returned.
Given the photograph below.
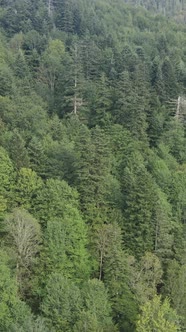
(92, 166)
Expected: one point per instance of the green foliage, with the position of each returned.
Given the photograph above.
(145, 276)
(13, 311)
(6, 171)
(30, 324)
(17, 150)
(157, 316)
(51, 64)
(96, 309)
(6, 180)
(26, 187)
(138, 192)
(115, 272)
(92, 165)
(65, 245)
(6, 79)
(65, 236)
(62, 303)
(175, 288)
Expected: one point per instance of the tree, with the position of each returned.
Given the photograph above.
(62, 303)
(30, 324)
(145, 276)
(114, 271)
(37, 156)
(65, 233)
(20, 67)
(170, 81)
(13, 312)
(129, 106)
(17, 150)
(164, 227)
(51, 66)
(175, 288)
(6, 180)
(157, 80)
(138, 203)
(92, 173)
(6, 171)
(26, 188)
(101, 102)
(65, 245)
(96, 313)
(6, 79)
(52, 199)
(157, 316)
(24, 237)
(65, 15)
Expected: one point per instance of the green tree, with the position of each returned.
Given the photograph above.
(129, 106)
(96, 313)
(6, 78)
(12, 310)
(65, 235)
(26, 188)
(65, 245)
(114, 271)
(65, 15)
(157, 80)
(145, 276)
(6, 171)
(170, 81)
(101, 102)
(157, 316)
(6, 180)
(164, 226)
(138, 203)
(37, 156)
(30, 324)
(62, 303)
(175, 288)
(17, 150)
(51, 65)
(92, 173)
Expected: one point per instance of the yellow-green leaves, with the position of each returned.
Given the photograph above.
(157, 316)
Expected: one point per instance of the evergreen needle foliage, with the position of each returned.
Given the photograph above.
(92, 165)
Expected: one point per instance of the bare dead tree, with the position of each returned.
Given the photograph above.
(24, 234)
(179, 107)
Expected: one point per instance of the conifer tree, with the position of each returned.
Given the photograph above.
(138, 202)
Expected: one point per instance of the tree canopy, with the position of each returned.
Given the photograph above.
(92, 165)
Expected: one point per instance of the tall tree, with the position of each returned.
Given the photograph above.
(138, 203)
(65, 233)
(114, 271)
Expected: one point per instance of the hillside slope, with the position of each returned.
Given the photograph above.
(92, 166)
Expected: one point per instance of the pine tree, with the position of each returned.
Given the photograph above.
(92, 170)
(138, 203)
(170, 81)
(65, 234)
(17, 150)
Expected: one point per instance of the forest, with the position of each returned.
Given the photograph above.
(92, 166)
